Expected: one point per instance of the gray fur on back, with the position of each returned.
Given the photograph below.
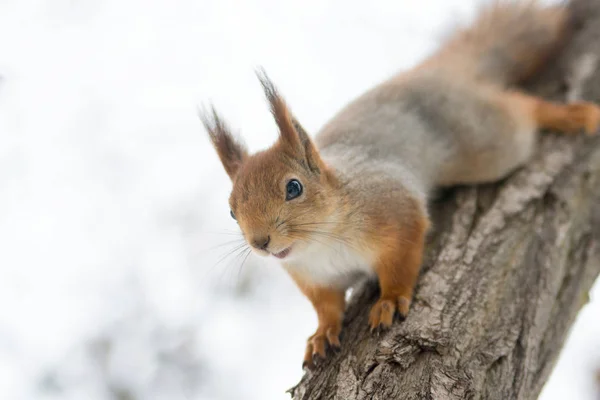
(427, 131)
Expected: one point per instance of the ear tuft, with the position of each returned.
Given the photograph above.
(231, 151)
(291, 132)
(278, 107)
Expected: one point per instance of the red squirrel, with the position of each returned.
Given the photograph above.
(353, 202)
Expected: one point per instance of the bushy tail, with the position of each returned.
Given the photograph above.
(508, 41)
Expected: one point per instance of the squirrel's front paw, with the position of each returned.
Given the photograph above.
(325, 337)
(383, 312)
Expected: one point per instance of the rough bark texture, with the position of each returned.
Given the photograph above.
(507, 269)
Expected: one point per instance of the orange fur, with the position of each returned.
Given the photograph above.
(329, 304)
(400, 253)
(565, 118)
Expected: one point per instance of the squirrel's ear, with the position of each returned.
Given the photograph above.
(291, 133)
(231, 151)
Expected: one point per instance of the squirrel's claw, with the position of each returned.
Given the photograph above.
(385, 311)
(318, 345)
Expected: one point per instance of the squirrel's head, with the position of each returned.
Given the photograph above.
(282, 197)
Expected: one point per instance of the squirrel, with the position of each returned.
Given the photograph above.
(353, 201)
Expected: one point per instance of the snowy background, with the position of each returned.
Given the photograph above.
(113, 207)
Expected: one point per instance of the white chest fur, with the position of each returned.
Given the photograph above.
(331, 263)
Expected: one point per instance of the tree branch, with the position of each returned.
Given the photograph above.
(508, 267)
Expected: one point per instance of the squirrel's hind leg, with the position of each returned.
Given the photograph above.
(565, 118)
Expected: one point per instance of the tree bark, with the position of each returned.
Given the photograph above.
(508, 267)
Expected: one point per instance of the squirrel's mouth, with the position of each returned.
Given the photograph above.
(283, 253)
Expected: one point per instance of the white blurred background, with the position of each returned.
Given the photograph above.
(113, 206)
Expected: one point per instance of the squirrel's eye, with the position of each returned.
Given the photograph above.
(293, 189)
(232, 214)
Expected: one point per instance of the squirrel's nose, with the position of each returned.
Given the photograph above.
(261, 242)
